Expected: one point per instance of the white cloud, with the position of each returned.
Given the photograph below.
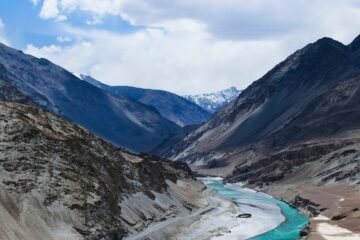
(64, 39)
(95, 20)
(2, 33)
(184, 59)
(231, 19)
(192, 46)
(58, 9)
(50, 9)
(35, 2)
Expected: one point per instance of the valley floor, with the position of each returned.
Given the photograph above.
(338, 220)
(218, 220)
(223, 223)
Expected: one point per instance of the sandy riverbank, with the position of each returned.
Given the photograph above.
(340, 218)
(329, 231)
(339, 207)
(223, 223)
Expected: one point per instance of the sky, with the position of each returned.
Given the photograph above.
(183, 46)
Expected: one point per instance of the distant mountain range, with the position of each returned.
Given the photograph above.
(213, 102)
(171, 106)
(120, 120)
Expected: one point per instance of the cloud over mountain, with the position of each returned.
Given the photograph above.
(190, 46)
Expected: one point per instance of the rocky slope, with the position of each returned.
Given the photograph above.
(58, 181)
(171, 106)
(304, 108)
(214, 101)
(120, 120)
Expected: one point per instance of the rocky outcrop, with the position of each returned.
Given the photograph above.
(58, 181)
(307, 206)
(338, 161)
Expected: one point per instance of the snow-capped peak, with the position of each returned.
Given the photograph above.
(214, 101)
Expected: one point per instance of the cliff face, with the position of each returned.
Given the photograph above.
(58, 181)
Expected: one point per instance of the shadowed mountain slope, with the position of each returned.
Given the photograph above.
(120, 120)
(305, 109)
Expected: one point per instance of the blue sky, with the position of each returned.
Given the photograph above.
(24, 25)
(184, 46)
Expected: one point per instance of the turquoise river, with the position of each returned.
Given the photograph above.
(288, 230)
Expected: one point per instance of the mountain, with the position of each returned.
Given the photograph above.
(59, 181)
(294, 133)
(300, 121)
(168, 143)
(171, 106)
(215, 101)
(120, 120)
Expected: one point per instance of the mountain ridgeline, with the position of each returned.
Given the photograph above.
(118, 119)
(171, 106)
(301, 121)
